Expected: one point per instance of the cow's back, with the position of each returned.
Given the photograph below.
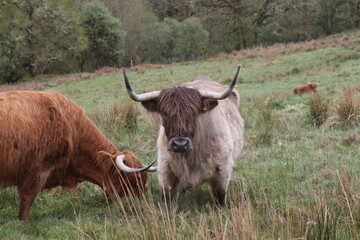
(35, 133)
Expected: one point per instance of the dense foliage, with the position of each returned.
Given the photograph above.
(105, 36)
(48, 36)
(170, 40)
(36, 36)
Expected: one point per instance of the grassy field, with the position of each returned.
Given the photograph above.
(297, 178)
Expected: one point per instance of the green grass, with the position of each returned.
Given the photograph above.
(293, 180)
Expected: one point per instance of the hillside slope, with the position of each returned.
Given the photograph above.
(332, 61)
(294, 180)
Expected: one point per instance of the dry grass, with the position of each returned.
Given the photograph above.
(291, 48)
(117, 117)
(346, 111)
(54, 80)
(250, 215)
(271, 52)
(351, 140)
(147, 219)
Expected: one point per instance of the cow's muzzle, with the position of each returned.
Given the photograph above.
(180, 144)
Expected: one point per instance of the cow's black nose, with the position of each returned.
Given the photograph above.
(181, 144)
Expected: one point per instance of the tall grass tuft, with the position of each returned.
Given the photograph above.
(149, 219)
(319, 107)
(347, 109)
(266, 122)
(326, 224)
(117, 117)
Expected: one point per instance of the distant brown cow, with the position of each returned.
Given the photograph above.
(46, 140)
(307, 88)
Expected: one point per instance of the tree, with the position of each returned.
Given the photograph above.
(35, 35)
(290, 22)
(11, 49)
(236, 24)
(332, 15)
(161, 40)
(178, 9)
(171, 40)
(354, 6)
(260, 13)
(136, 17)
(226, 22)
(192, 40)
(105, 36)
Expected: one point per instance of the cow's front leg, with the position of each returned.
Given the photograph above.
(169, 183)
(220, 183)
(28, 190)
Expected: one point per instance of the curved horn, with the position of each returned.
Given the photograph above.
(140, 97)
(121, 165)
(224, 94)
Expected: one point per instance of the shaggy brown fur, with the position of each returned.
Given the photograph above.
(46, 140)
(310, 87)
(179, 108)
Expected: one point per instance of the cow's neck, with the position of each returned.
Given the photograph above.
(90, 165)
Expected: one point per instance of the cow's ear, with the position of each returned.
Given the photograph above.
(208, 104)
(150, 105)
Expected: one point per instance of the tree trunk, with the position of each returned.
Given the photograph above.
(305, 22)
(30, 65)
(357, 15)
(256, 38)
